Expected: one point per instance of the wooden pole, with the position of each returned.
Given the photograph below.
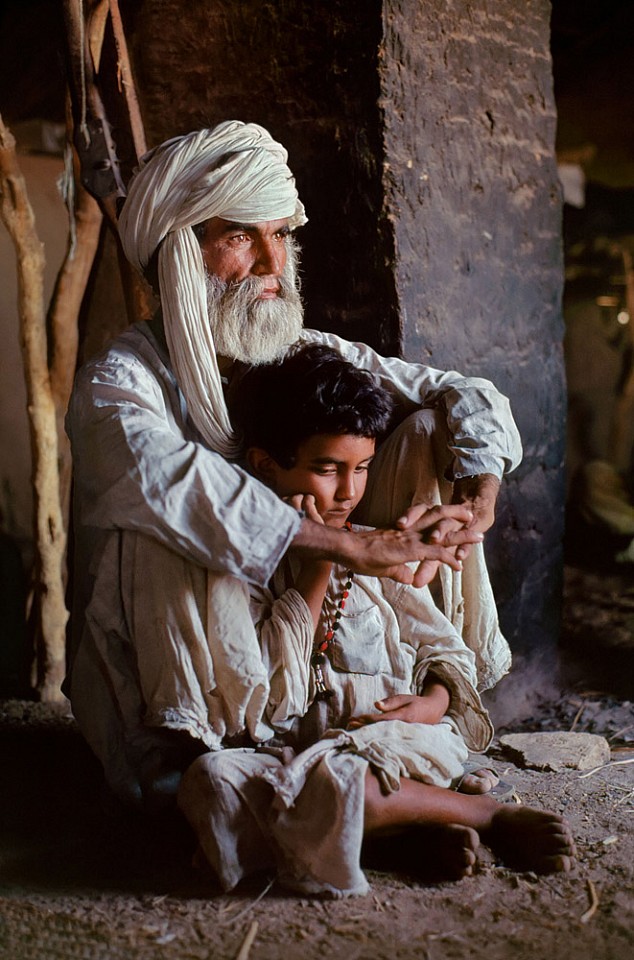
(63, 316)
(50, 536)
(127, 83)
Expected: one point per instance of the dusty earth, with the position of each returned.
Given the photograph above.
(80, 879)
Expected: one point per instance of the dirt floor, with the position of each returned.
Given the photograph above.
(79, 879)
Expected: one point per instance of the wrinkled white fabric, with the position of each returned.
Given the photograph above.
(235, 171)
(142, 468)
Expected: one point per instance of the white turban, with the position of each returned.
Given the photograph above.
(235, 171)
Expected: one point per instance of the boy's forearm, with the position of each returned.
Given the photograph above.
(436, 696)
(312, 583)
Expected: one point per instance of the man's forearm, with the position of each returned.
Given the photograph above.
(379, 553)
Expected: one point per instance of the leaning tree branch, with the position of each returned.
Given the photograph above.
(50, 537)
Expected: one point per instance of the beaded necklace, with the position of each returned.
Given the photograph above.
(319, 654)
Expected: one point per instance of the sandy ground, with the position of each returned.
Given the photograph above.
(80, 880)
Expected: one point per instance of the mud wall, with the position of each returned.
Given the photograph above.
(471, 189)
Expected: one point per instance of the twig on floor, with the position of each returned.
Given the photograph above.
(628, 796)
(612, 763)
(253, 903)
(578, 715)
(622, 730)
(594, 902)
(247, 943)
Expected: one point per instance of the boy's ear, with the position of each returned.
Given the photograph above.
(261, 465)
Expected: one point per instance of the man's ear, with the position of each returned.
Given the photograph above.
(262, 465)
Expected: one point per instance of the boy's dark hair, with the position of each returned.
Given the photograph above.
(312, 390)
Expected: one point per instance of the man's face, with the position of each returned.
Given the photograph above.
(253, 299)
(234, 251)
(333, 468)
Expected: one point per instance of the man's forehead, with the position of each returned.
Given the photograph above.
(259, 226)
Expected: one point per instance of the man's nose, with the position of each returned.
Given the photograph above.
(270, 258)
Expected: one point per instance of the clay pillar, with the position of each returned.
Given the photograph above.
(470, 187)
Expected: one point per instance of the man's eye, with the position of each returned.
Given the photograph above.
(240, 237)
(283, 234)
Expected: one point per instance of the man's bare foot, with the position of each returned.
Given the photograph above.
(431, 853)
(529, 839)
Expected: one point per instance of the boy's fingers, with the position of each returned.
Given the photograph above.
(393, 703)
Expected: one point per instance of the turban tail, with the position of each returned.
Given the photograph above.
(235, 171)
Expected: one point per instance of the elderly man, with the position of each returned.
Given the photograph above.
(169, 528)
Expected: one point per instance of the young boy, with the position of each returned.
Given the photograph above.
(372, 692)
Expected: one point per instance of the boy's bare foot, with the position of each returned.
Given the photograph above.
(529, 839)
(445, 851)
(432, 853)
(480, 780)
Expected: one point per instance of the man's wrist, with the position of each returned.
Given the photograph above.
(476, 486)
(316, 541)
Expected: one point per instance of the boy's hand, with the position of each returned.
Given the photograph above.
(305, 502)
(431, 707)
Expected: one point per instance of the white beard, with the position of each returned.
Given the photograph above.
(251, 330)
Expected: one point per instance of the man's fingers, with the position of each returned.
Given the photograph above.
(425, 573)
(411, 516)
(456, 538)
(421, 517)
(401, 573)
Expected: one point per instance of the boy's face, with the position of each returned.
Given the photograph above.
(333, 468)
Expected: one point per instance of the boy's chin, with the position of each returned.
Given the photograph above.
(335, 520)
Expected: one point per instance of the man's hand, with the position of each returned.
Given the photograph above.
(477, 494)
(431, 707)
(386, 553)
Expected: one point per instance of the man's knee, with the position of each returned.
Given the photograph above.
(423, 427)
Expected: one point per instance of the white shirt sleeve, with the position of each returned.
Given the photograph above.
(285, 630)
(137, 468)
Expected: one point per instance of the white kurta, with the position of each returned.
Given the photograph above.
(145, 485)
(303, 814)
